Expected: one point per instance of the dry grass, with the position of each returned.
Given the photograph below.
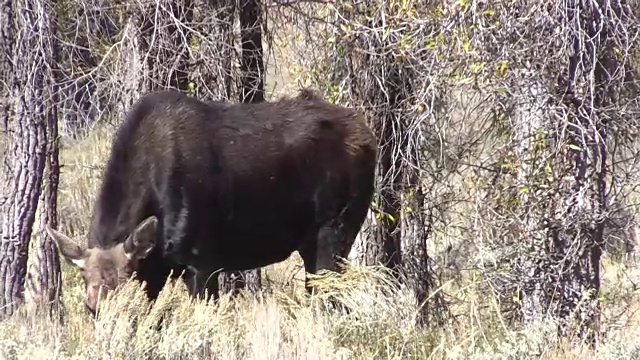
(286, 326)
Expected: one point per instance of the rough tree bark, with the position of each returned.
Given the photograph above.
(527, 122)
(44, 282)
(252, 61)
(563, 267)
(6, 39)
(376, 83)
(591, 86)
(251, 90)
(6, 49)
(30, 102)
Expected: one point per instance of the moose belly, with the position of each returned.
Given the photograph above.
(252, 239)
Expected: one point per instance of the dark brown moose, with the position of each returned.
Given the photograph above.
(202, 187)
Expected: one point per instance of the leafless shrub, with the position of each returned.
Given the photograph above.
(113, 51)
(524, 175)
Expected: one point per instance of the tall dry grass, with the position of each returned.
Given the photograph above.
(285, 325)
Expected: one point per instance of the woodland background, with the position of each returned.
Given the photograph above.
(505, 218)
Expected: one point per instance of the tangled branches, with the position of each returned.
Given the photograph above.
(498, 125)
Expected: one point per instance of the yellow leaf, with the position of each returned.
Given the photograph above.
(466, 46)
(477, 67)
(386, 33)
(391, 218)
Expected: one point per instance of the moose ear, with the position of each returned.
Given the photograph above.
(71, 251)
(142, 239)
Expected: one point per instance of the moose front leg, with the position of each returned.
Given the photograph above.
(203, 285)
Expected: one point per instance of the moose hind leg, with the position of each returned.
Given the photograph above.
(320, 250)
(308, 254)
(321, 253)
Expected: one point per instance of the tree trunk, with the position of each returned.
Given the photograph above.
(44, 283)
(44, 277)
(384, 98)
(562, 270)
(416, 262)
(31, 102)
(384, 245)
(6, 40)
(6, 49)
(251, 91)
(252, 62)
(528, 266)
(593, 66)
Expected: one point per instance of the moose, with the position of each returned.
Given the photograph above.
(194, 187)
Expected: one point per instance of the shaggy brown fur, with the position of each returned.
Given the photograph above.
(201, 187)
